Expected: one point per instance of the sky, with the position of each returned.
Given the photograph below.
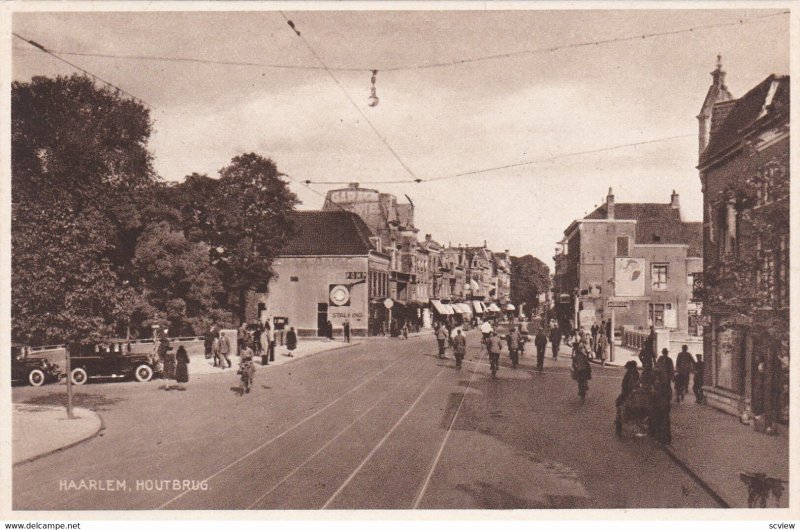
(440, 121)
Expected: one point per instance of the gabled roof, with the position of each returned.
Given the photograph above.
(328, 233)
(771, 94)
(657, 223)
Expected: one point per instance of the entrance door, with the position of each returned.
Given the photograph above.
(322, 320)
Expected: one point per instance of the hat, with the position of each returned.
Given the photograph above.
(664, 351)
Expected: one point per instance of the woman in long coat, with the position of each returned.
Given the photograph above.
(291, 341)
(182, 368)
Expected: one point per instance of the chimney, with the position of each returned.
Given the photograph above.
(484, 243)
(674, 201)
(610, 204)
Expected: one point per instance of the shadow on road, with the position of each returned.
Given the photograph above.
(94, 402)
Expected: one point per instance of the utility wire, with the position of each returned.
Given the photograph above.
(87, 72)
(349, 98)
(423, 66)
(506, 166)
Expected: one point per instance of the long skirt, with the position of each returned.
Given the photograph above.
(182, 372)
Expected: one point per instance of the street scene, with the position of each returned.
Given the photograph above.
(370, 260)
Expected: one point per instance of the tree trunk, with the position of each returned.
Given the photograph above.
(242, 305)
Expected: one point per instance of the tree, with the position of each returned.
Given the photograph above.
(177, 279)
(79, 162)
(529, 277)
(244, 217)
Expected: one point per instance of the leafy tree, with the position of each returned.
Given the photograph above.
(529, 277)
(79, 164)
(244, 217)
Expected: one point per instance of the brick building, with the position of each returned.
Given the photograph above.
(744, 169)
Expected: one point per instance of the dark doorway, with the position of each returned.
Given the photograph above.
(322, 320)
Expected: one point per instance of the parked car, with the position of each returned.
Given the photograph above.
(112, 359)
(34, 371)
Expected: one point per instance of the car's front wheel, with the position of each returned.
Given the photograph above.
(79, 376)
(143, 373)
(36, 377)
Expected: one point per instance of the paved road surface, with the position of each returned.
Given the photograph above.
(381, 425)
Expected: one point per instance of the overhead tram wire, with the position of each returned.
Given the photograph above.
(506, 166)
(425, 66)
(81, 69)
(349, 98)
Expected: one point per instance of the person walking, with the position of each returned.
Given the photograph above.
(493, 347)
(660, 427)
(405, 330)
(541, 345)
(182, 367)
(684, 366)
(648, 354)
(263, 344)
(241, 337)
(514, 340)
(208, 341)
(581, 370)
(594, 330)
(602, 346)
(291, 341)
(271, 339)
(486, 330)
(441, 339)
(697, 381)
(224, 351)
(555, 340)
(346, 330)
(665, 364)
(215, 351)
(459, 348)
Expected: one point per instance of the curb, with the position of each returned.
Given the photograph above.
(697, 478)
(68, 446)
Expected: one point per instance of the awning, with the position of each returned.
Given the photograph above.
(493, 307)
(442, 309)
(474, 285)
(465, 309)
(478, 308)
(510, 307)
(485, 309)
(456, 309)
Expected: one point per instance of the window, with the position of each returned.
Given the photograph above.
(767, 274)
(656, 315)
(622, 247)
(659, 276)
(783, 271)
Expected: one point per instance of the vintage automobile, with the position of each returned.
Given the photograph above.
(35, 371)
(112, 359)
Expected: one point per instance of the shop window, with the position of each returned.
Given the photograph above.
(658, 274)
(656, 315)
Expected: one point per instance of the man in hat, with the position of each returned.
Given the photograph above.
(697, 383)
(684, 366)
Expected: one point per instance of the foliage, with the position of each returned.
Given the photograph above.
(244, 217)
(529, 277)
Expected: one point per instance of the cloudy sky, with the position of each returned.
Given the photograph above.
(441, 121)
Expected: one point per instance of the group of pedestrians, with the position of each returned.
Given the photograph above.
(173, 366)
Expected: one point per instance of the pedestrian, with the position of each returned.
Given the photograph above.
(648, 353)
(493, 347)
(581, 370)
(441, 339)
(405, 330)
(555, 340)
(224, 351)
(329, 330)
(514, 340)
(630, 382)
(486, 330)
(241, 337)
(660, 427)
(684, 365)
(346, 330)
(459, 348)
(168, 358)
(209, 341)
(540, 341)
(665, 364)
(182, 367)
(602, 345)
(263, 343)
(215, 351)
(594, 329)
(697, 382)
(257, 332)
(271, 339)
(291, 341)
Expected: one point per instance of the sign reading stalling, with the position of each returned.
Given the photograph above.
(629, 275)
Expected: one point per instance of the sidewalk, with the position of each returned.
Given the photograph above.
(199, 365)
(716, 447)
(38, 430)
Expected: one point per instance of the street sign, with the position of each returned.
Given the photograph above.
(619, 304)
(388, 303)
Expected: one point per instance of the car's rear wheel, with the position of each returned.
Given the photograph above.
(143, 373)
(79, 376)
(36, 377)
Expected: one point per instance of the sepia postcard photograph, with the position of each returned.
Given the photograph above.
(286, 258)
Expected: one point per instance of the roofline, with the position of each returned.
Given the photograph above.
(330, 255)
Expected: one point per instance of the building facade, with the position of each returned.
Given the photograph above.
(633, 263)
(744, 171)
(331, 272)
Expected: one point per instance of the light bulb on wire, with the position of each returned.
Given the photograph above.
(373, 98)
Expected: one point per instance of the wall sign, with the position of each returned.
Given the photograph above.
(339, 295)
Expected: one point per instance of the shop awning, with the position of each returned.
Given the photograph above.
(493, 307)
(510, 307)
(442, 309)
(456, 309)
(465, 309)
(478, 308)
